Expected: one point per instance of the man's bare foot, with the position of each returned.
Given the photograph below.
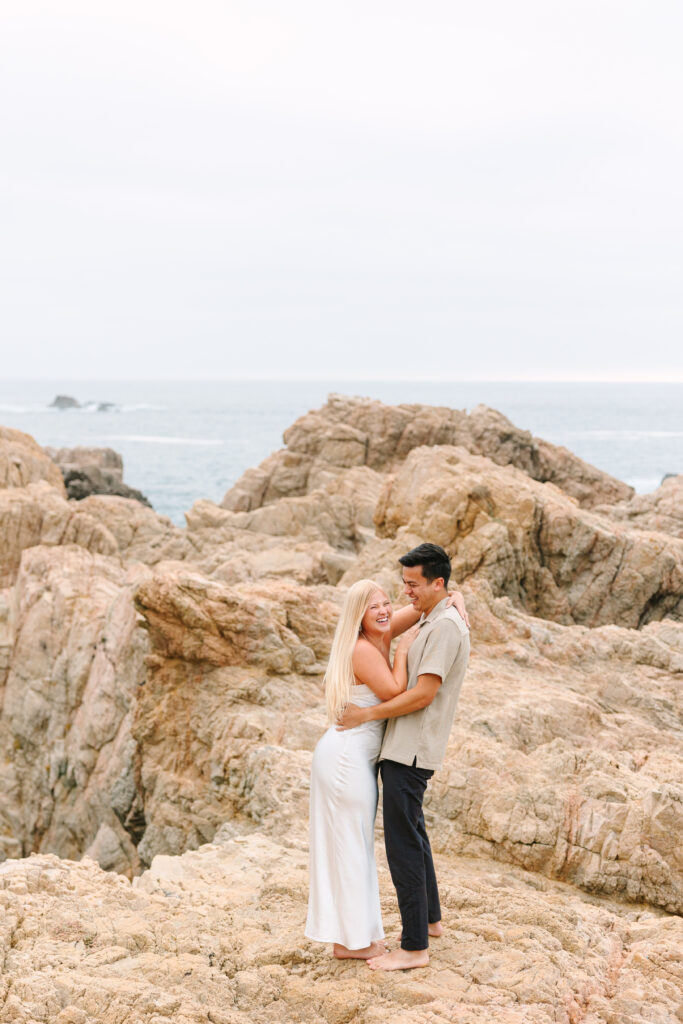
(435, 929)
(374, 949)
(400, 960)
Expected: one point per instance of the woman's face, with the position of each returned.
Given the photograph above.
(377, 618)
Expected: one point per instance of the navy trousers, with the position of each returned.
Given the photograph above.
(408, 851)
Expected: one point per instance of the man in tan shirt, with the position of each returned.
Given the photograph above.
(414, 744)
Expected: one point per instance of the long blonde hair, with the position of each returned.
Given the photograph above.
(339, 678)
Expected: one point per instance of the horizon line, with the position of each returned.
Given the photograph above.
(346, 380)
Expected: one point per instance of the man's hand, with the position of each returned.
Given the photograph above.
(352, 717)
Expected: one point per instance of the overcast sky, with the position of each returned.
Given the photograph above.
(488, 190)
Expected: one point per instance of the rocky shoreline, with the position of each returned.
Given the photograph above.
(161, 697)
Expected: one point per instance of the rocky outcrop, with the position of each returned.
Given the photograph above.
(64, 402)
(140, 534)
(569, 759)
(216, 935)
(67, 759)
(661, 511)
(86, 455)
(37, 514)
(88, 471)
(253, 656)
(312, 538)
(160, 690)
(530, 541)
(23, 461)
(566, 759)
(350, 432)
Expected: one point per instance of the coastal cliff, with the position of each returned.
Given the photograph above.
(161, 698)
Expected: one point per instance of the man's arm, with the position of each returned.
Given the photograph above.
(404, 618)
(421, 695)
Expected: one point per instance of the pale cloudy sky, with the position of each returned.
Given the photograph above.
(488, 190)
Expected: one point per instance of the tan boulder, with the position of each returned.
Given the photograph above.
(529, 540)
(309, 539)
(23, 461)
(232, 674)
(38, 514)
(86, 455)
(67, 758)
(141, 534)
(661, 511)
(353, 432)
(200, 620)
(567, 756)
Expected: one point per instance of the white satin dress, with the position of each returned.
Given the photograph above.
(343, 900)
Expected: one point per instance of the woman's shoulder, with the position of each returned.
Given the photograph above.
(367, 660)
(363, 646)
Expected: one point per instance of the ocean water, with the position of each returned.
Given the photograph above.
(181, 441)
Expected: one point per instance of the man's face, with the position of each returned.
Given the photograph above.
(423, 593)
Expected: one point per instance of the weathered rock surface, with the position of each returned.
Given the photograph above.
(216, 935)
(68, 695)
(232, 674)
(23, 461)
(530, 541)
(351, 432)
(86, 455)
(38, 514)
(140, 534)
(567, 757)
(661, 511)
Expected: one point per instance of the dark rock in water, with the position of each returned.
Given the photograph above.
(65, 402)
(105, 406)
(89, 471)
(82, 481)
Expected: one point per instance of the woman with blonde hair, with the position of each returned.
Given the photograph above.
(343, 905)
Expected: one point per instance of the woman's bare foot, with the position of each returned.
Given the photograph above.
(435, 929)
(374, 949)
(400, 960)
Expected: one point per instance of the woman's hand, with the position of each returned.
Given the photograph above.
(456, 600)
(407, 639)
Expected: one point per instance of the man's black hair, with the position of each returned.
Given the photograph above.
(432, 559)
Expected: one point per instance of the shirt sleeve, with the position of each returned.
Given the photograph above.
(440, 650)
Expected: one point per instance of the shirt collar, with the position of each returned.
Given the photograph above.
(435, 612)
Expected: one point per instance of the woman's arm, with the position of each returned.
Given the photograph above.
(403, 619)
(406, 617)
(369, 667)
(458, 600)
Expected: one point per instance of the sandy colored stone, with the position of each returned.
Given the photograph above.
(67, 759)
(217, 935)
(353, 432)
(23, 461)
(232, 681)
(529, 540)
(140, 533)
(86, 455)
(662, 510)
(38, 514)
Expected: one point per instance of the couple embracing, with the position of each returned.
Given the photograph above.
(417, 696)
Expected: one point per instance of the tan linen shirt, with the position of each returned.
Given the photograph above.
(441, 648)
